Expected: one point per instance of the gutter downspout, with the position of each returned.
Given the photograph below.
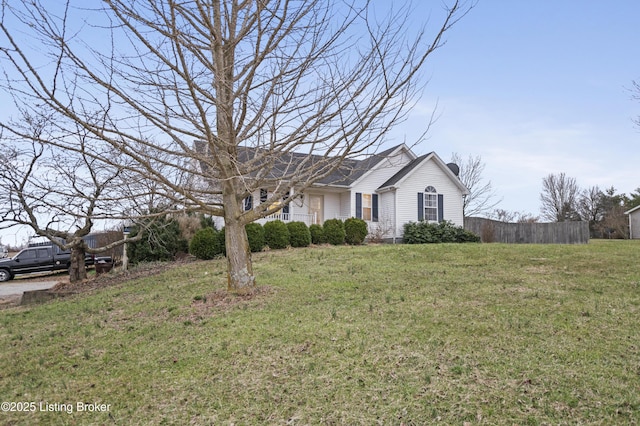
(395, 215)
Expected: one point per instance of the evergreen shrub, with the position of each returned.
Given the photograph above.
(334, 231)
(355, 230)
(443, 232)
(276, 234)
(317, 234)
(299, 234)
(161, 240)
(205, 244)
(255, 235)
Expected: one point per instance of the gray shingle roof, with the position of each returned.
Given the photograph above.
(349, 171)
(352, 170)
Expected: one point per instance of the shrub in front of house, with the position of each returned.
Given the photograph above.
(255, 235)
(276, 234)
(334, 231)
(317, 234)
(299, 235)
(205, 244)
(442, 232)
(355, 231)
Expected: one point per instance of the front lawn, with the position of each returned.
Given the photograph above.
(389, 334)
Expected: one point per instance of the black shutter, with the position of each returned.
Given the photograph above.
(374, 207)
(440, 207)
(420, 207)
(248, 203)
(285, 208)
(358, 205)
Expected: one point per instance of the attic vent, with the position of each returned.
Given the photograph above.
(454, 168)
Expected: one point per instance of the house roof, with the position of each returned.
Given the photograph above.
(403, 173)
(352, 170)
(344, 176)
(349, 171)
(632, 210)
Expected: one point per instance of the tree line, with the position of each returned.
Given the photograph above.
(562, 199)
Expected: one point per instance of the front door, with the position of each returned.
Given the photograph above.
(316, 206)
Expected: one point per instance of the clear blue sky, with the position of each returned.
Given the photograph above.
(538, 87)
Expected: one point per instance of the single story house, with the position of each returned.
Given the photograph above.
(634, 222)
(386, 190)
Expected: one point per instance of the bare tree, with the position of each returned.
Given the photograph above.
(591, 207)
(482, 197)
(60, 195)
(507, 216)
(635, 94)
(277, 94)
(559, 198)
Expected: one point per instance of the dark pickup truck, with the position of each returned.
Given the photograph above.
(36, 259)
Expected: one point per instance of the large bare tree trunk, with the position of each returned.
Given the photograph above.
(77, 269)
(240, 278)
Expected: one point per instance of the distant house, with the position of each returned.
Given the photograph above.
(386, 190)
(634, 222)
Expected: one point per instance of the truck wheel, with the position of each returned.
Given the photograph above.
(4, 275)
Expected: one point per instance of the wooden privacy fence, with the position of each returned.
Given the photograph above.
(528, 233)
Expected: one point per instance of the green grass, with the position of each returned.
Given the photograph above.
(450, 334)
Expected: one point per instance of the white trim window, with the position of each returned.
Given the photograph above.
(430, 204)
(367, 207)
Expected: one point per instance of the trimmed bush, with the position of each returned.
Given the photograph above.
(317, 234)
(276, 234)
(355, 231)
(334, 231)
(299, 235)
(255, 234)
(205, 244)
(443, 232)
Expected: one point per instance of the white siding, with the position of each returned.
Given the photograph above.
(345, 204)
(386, 216)
(331, 205)
(428, 174)
(634, 224)
(373, 180)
